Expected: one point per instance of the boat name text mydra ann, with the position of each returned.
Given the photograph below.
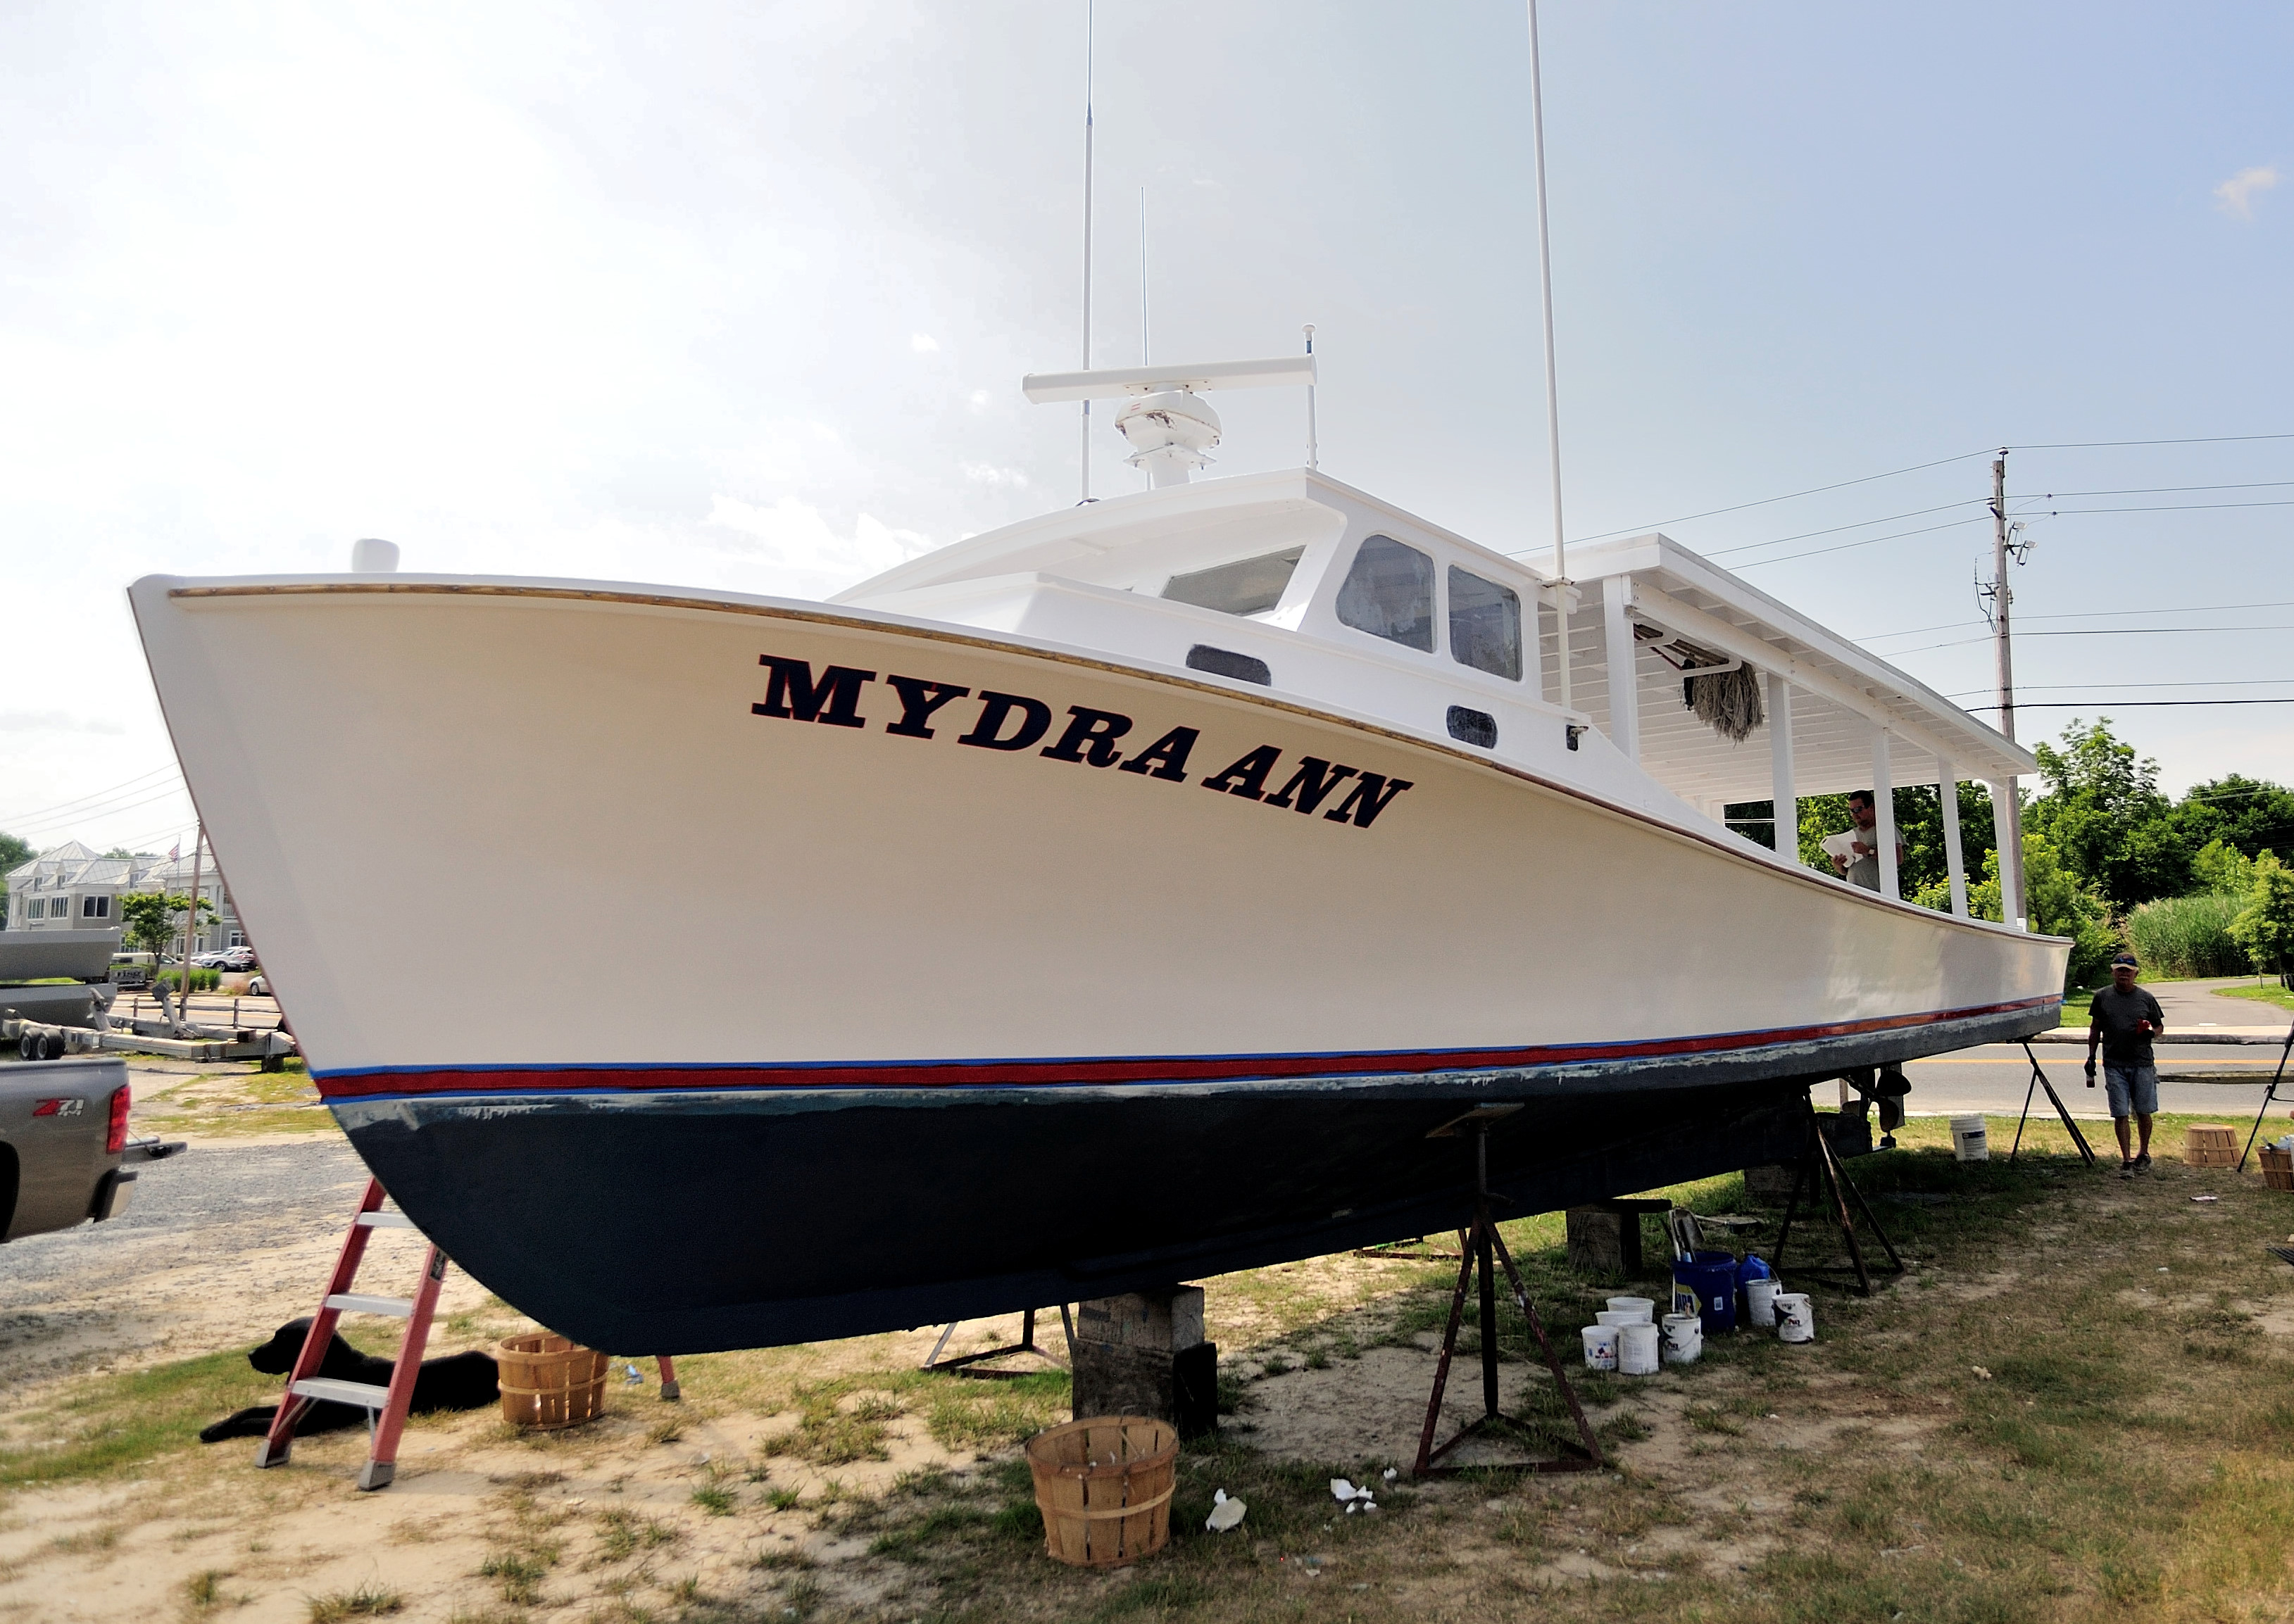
(1013, 722)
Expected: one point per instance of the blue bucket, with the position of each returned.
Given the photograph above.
(1709, 1281)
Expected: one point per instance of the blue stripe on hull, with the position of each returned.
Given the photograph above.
(686, 1221)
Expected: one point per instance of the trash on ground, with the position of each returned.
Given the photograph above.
(1225, 1514)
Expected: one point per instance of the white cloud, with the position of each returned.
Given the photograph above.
(988, 474)
(979, 401)
(2235, 196)
(51, 721)
(804, 550)
(923, 344)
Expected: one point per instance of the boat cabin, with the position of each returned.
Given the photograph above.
(1298, 584)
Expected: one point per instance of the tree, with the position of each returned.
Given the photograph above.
(14, 853)
(2222, 869)
(151, 921)
(2252, 815)
(2062, 904)
(1919, 824)
(2105, 819)
(2264, 927)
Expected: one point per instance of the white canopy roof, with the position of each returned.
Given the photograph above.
(1840, 697)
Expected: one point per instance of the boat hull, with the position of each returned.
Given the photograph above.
(855, 972)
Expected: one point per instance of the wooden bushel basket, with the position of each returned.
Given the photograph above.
(548, 1381)
(2210, 1144)
(2277, 1167)
(1104, 1488)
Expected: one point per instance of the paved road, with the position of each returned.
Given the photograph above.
(2206, 1079)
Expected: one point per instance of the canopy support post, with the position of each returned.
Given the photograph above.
(1884, 814)
(1784, 804)
(2011, 855)
(1624, 687)
(1954, 864)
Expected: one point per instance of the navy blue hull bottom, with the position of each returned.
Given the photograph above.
(684, 1223)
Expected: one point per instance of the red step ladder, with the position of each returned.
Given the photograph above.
(386, 1406)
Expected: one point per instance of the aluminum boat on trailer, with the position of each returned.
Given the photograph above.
(1219, 840)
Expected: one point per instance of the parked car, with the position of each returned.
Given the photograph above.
(131, 970)
(237, 959)
(210, 960)
(65, 1157)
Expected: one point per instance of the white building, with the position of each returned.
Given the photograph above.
(69, 888)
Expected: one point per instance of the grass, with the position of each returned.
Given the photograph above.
(2188, 936)
(2121, 1456)
(2276, 996)
(369, 1600)
(106, 1426)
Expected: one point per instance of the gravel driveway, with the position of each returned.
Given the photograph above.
(220, 1245)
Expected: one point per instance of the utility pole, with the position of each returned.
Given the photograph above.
(2007, 819)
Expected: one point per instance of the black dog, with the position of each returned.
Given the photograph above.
(459, 1381)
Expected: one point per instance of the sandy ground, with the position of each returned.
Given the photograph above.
(232, 1239)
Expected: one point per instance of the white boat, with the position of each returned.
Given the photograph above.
(1112, 899)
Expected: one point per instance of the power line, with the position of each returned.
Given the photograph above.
(2097, 687)
(2072, 513)
(1754, 563)
(2091, 446)
(2128, 704)
(2086, 614)
(2089, 631)
(1765, 501)
(1973, 501)
(40, 814)
(48, 827)
(2265, 484)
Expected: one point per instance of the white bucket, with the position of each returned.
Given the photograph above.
(1795, 1316)
(1760, 1302)
(1645, 1307)
(1620, 1318)
(1601, 1347)
(1684, 1338)
(1967, 1140)
(1636, 1349)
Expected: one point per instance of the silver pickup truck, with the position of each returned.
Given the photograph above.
(65, 1157)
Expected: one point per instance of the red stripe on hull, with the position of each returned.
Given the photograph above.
(1020, 1074)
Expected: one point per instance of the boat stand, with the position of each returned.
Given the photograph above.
(2039, 1081)
(962, 1363)
(2284, 1049)
(1479, 1244)
(1821, 1175)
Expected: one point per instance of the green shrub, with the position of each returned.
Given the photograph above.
(2188, 936)
(202, 980)
(2265, 925)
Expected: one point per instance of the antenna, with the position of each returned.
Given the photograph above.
(1552, 391)
(1143, 279)
(1169, 427)
(1090, 31)
(1309, 330)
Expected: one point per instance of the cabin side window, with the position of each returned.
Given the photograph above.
(1251, 586)
(1485, 625)
(1389, 593)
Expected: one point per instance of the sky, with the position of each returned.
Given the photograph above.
(739, 296)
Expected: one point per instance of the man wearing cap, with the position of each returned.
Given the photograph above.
(2123, 1018)
(1855, 851)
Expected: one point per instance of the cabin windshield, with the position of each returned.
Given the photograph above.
(1485, 625)
(1389, 593)
(1250, 586)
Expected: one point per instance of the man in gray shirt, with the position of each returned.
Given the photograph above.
(2123, 1018)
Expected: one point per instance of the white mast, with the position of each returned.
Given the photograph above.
(1090, 24)
(1552, 394)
